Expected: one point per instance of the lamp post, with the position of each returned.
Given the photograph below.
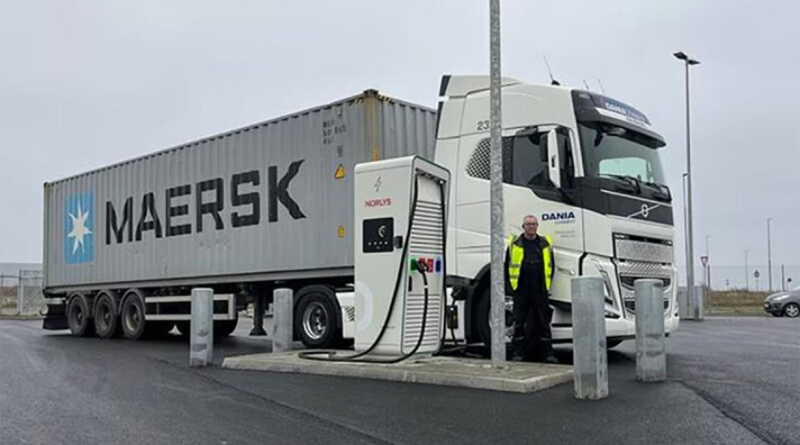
(688, 61)
(497, 293)
(686, 230)
(746, 273)
(769, 254)
(708, 265)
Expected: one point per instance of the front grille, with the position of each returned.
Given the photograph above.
(638, 258)
(641, 249)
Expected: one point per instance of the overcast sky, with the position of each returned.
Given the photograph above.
(92, 82)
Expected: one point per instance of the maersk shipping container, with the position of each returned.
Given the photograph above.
(272, 201)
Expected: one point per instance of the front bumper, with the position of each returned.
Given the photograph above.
(774, 307)
(623, 328)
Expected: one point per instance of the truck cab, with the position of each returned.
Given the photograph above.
(587, 166)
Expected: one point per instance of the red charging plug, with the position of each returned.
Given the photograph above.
(422, 265)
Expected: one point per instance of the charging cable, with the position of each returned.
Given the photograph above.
(330, 356)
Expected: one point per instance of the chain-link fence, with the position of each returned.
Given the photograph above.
(750, 277)
(21, 294)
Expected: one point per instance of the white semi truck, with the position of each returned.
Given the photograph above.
(586, 165)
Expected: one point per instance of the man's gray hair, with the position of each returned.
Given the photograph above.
(529, 216)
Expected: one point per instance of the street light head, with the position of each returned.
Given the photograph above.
(681, 55)
(693, 62)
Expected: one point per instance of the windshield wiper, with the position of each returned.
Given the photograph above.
(632, 181)
(662, 192)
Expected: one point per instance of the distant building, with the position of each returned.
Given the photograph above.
(12, 269)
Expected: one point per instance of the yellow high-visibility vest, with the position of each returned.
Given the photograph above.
(516, 253)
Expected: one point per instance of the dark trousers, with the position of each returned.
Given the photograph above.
(532, 314)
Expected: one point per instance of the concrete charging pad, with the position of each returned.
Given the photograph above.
(446, 371)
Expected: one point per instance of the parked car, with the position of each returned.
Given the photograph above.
(785, 303)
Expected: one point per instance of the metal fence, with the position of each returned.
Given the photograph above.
(21, 294)
(752, 277)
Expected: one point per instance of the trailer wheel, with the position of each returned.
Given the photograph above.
(314, 319)
(78, 316)
(132, 316)
(106, 315)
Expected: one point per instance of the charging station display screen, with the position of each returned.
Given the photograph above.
(378, 235)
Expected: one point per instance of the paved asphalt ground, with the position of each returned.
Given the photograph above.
(731, 381)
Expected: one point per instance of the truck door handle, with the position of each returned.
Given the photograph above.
(566, 271)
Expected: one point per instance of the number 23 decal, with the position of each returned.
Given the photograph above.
(483, 125)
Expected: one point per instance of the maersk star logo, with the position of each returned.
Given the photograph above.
(78, 228)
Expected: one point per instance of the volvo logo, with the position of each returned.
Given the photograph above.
(644, 211)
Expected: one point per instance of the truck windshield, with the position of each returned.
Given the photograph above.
(611, 151)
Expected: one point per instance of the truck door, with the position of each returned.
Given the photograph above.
(540, 181)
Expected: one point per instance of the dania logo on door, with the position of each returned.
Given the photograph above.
(79, 228)
(558, 216)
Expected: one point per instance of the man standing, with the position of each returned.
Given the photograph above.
(529, 273)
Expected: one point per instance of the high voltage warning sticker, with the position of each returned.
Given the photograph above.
(339, 172)
(340, 231)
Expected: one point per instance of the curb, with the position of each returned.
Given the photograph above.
(471, 373)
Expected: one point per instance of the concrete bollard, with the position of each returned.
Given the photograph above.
(699, 297)
(201, 340)
(590, 361)
(282, 320)
(651, 354)
(683, 303)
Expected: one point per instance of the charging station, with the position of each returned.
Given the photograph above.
(400, 236)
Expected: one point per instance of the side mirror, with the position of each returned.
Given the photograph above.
(553, 161)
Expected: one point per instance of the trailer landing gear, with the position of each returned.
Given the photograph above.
(258, 317)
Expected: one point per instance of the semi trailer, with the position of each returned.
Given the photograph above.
(272, 205)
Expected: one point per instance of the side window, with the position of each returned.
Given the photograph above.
(525, 160)
(529, 161)
(567, 161)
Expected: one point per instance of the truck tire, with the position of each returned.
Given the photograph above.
(79, 318)
(106, 315)
(315, 318)
(481, 319)
(132, 315)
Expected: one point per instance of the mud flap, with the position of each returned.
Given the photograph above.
(56, 318)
